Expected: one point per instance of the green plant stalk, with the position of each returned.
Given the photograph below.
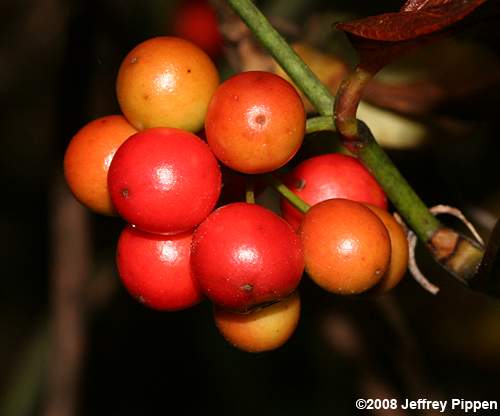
(321, 123)
(286, 192)
(411, 207)
(250, 192)
(294, 66)
(407, 202)
(399, 191)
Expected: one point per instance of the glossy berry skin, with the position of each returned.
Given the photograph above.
(331, 176)
(347, 248)
(87, 160)
(156, 269)
(399, 251)
(244, 255)
(166, 82)
(255, 122)
(164, 180)
(261, 330)
(195, 20)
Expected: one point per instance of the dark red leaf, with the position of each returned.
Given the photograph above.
(412, 5)
(383, 38)
(417, 18)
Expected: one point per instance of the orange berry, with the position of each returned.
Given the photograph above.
(255, 122)
(399, 251)
(166, 82)
(263, 329)
(346, 246)
(88, 157)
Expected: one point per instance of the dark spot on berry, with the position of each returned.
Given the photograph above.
(260, 119)
(189, 71)
(300, 184)
(134, 60)
(247, 287)
(146, 97)
(125, 192)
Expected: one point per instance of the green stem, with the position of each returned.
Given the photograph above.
(286, 193)
(250, 191)
(406, 201)
(321, 123)
(402, 195)
(294, 66)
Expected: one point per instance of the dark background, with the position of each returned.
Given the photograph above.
(58, 62)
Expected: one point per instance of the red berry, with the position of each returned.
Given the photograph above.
(164, 180)
(195, 20)
(244, 255)
(255, 122)
(156, 270)
(331, 176)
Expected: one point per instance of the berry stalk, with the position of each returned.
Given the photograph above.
(320, 123)
(250, 191)
(286, 193)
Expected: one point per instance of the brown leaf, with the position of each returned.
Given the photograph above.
(417, 18)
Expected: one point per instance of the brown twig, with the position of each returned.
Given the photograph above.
(70, 271)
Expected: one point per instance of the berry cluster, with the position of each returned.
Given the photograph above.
(150, 167)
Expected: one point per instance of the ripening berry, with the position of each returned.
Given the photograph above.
(88, 157)
(399, 251)
(260, 330)
(347, 248)
(166, 82)
(255, 122)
